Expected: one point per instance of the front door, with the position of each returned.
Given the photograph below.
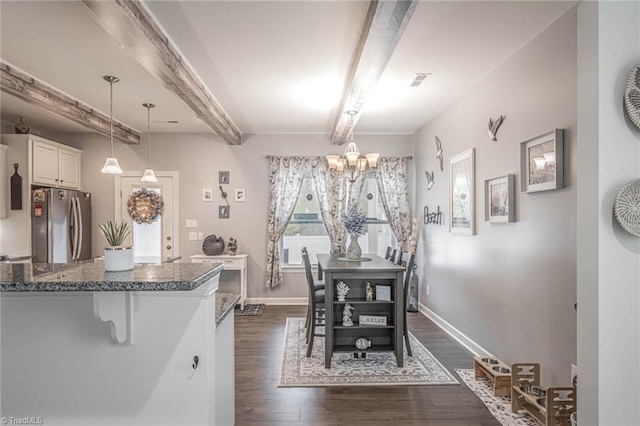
(159, 238)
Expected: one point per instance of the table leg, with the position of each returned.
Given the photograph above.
(328, 320)
(399, 317)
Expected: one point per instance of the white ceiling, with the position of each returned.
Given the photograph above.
(274, 66)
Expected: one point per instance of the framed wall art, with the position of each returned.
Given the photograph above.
(541, 162)
(499, 199)
(462, 204)
(223, 212)
(241, 195)
(207, 194)
(223, 178)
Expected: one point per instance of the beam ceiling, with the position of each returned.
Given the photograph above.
(27, 88)
(382, 28)
(131, 25)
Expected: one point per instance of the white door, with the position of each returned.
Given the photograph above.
(159, 238)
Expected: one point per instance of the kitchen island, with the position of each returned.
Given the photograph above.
(151, 346)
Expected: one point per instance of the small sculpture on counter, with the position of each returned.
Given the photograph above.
(342, 289)
(369, 292)
(232, 245)
(346, 315)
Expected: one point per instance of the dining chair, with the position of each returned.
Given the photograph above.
(390, 254)
(387, 254)
(316, 303)
(406, 260)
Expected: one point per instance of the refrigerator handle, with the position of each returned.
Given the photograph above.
(80, 230)
(72, 228)
(74, 224)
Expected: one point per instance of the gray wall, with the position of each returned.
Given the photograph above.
(608, 257)
(510, 288)
(198, 158)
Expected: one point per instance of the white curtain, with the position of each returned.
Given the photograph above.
(285, 180)
(393, 184)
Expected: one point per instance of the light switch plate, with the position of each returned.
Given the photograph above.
(193, 236)
(191, 223)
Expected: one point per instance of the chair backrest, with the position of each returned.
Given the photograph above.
(406, 260)
(307, 270)
(387, 254)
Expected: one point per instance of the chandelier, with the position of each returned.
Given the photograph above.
(149, 175)
(352, 164)
(111, 165)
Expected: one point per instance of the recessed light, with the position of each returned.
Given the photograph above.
(420, 77)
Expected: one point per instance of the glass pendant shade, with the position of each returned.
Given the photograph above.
(111, 166)
(148, 176)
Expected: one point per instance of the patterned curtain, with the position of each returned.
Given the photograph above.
(285, 180)
(336, 195)
(394, 189)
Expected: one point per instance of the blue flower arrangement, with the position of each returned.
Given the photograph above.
(354, 222)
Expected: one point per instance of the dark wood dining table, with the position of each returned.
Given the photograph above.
(378, 272)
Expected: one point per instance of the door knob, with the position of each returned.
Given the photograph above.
(169, 247)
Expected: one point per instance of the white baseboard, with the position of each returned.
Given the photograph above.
(277, 300)
(465, 341)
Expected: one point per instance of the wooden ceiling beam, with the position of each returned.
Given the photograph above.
(383, 26)
(17, 83)
(135, 29)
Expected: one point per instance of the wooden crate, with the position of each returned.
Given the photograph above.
(496, 371)
(550, 406)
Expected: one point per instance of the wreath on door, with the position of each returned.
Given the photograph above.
(145, 206)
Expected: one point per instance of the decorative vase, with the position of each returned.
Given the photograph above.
(363, 343)
(118, 259)
(354, 252)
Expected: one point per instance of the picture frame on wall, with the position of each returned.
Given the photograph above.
(240, 195)
(223, 178)
(462, 204)
(207, 194)
(499, 199)
(223, 212)
(541, 162)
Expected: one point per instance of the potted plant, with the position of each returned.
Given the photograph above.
(116, 257)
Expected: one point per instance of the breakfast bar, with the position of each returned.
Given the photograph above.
(153, 345)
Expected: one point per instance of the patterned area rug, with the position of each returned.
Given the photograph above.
(378, 368)
(250, 310)
(499, 406)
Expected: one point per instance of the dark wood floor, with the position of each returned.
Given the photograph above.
(259, 401)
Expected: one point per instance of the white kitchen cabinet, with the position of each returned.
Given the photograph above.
(54, 164)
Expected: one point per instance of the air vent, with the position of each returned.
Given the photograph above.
(420, 77)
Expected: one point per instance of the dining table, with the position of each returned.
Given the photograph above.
(373, 321)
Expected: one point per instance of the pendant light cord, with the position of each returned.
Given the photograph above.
(111, 113)
(149, 133)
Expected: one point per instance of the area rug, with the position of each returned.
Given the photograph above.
(250, 310)
(378, 368)
(499, 406)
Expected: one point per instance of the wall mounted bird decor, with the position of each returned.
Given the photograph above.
(494, 126)
(430, 179)
(440, 153)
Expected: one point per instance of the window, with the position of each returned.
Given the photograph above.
(306, 229)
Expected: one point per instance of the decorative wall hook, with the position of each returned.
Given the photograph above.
(430, 179)
(440, 153)
(432, 218)
(494, 126)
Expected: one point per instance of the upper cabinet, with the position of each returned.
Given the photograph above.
(54, 164)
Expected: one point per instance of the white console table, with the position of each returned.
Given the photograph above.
(236, 262)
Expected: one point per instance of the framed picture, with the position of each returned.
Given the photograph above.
(462, 203)
(223, 178)
(383, 292)
(223, 212)
(541, 162)
(380, 320)
(499, 199)
(207, 194)
(240, 195)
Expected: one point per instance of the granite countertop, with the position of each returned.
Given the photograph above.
(21, 277)
(225, 303)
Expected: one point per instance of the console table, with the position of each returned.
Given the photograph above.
(377, 271)
(236, 262)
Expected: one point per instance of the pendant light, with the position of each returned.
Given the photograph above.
(111, 165)
(148, 175)
(352, 164)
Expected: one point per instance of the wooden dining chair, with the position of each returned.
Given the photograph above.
(315, 306)
(387, 254)
(406, 260)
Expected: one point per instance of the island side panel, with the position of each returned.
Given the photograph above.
(59, 362)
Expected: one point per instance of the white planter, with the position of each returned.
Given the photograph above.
(118, 258)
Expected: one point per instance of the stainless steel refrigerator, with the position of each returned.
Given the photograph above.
(60, 225)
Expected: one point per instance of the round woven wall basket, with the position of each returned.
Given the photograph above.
(626, 207)
(632, 96)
